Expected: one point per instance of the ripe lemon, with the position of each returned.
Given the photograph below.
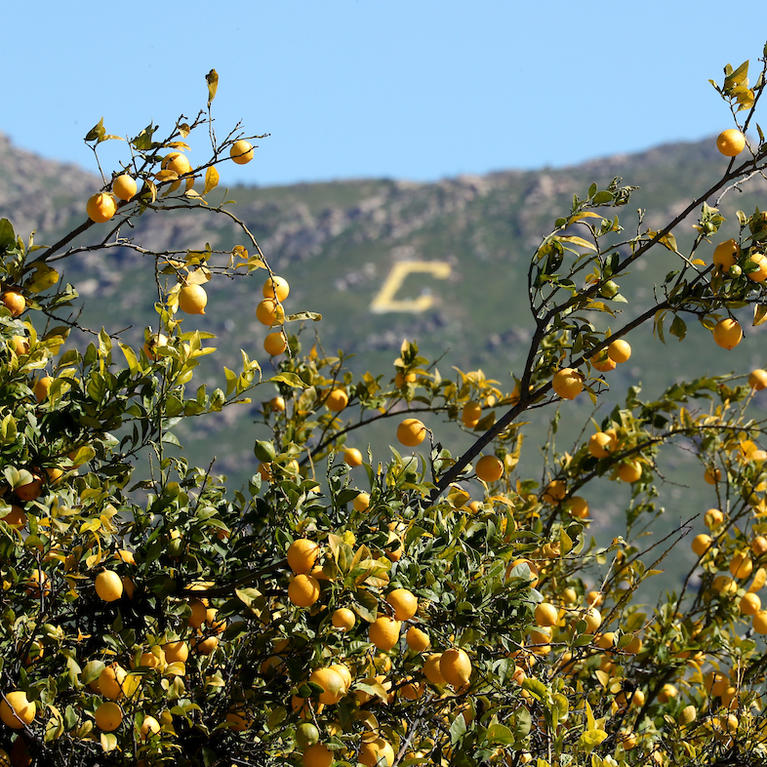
(602, 362)
(578, 507)
(667, 692)
(241, 152)
(361, 502)
(15, 710)
(411, 432)
(455, 667)
(331, 682)
(757, 273)
(417, 640)
(400, 379)
(404, 603)
(750, 604)
(42, 388)
(759, 546)
(352, 457)
(730, 142)
(554, 492)
(728, 333)
(726, 254)
(567, 383)
(629, 471)
(384, 632)
(109, 587)
(337, 400)
(411, 690)
(701, 544)
(593, 619)
(302, 555)
(317, 756)
(619, 351)
(605, 641)
(206, 646)
(759, 623)
(275, 343)
(376, 753)
(431, 669)
(303, 590)
(741, 566)
(110, 681)
(344, 619)
(270, 312)
(14, 302)
(539, 639)
(124, 187)
(101, 207)
(546, 614)
(108, 716)
(471, 413)
(176, 652)
(345, 674)
(192, 299)
(178, 162)
(712, 476)
(757, 379)
(199, 612)
(601, 444)
(713, 518)
(276, 288)
(20, 345)
(489, 468)
(149, 727)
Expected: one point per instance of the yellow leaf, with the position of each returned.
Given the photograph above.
(180, 144)
(573, 240)
(211, 179)
(760, 314)
(212, 79)
(166, 175)
(698, 262)
(584, 214)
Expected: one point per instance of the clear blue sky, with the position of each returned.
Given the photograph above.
(416, 89)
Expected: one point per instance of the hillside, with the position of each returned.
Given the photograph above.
(337, 242)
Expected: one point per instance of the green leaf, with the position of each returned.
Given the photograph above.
(143, 142)
(678, 328)
(291, 379)
(97, 132)
(130, 357)
(457, 729)
(7, 235)
(535, 687)
(499, 733)
(91, 671)
(313, 316)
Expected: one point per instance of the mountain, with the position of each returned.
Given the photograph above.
(339, 242)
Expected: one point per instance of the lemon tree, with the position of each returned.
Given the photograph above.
(422, 607)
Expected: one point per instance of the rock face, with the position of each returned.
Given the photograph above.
(40, 194)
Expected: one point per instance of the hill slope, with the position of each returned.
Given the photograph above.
(338, 242)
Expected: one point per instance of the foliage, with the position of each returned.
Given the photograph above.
(307, 618)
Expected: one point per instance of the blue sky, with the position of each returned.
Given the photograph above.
(417, 89)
